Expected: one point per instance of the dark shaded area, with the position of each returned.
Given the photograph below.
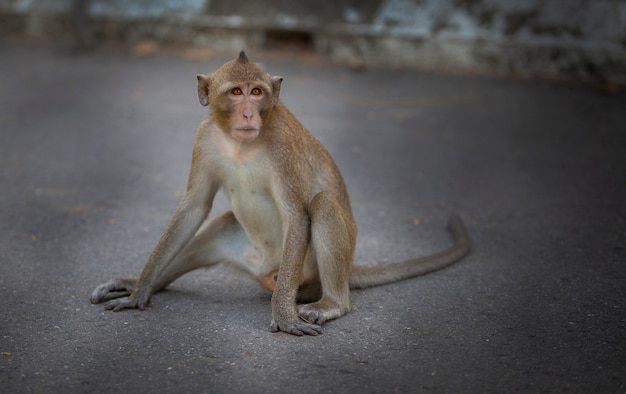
(94, 153)
(316, 11)
(296, 40)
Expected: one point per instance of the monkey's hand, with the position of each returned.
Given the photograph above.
(296, 327)
(113, 291)
(116, 288)
(132, 302)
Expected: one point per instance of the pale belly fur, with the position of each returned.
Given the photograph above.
(248, 192)
(258, 214)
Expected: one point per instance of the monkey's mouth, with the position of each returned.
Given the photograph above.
(246, 132)
(247, 128)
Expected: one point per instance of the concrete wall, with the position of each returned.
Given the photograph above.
(584, 39)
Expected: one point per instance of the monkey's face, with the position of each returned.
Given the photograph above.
(241, 96)
(244, 105)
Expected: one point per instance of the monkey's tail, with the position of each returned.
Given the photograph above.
(370, 276)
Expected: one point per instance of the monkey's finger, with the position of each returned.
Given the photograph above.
(289, 329)
(298, 329)
(113, 295)
(310, 329)
(119, 307)
(274, 327)
(115, 288)
(124, 303)
(113, 305)
(110, 305)
(100, 293)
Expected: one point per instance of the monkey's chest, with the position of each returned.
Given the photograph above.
(255, 209)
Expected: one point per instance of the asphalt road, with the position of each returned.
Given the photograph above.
(94, 154)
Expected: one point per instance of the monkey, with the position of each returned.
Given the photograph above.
(290, 225)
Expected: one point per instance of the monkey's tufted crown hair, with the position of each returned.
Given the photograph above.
(240, 69)
(242, 59)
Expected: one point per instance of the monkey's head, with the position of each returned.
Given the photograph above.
(241, 96)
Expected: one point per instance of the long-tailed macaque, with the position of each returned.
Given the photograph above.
(291, 224)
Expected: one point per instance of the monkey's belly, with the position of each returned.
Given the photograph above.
(260, 219)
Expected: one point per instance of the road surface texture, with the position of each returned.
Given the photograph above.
(94, 154)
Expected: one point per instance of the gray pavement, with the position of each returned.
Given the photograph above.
(94, 153)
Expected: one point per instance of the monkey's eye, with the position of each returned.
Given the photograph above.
(236, 92)
(256, 92)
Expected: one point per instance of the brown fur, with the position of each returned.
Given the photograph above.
(291, 217)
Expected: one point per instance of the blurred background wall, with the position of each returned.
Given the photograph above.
(571, 39)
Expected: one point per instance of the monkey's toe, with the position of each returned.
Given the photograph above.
(311, 316)
(297, 328)
(98, 298)
(124, 303)
(320, 312)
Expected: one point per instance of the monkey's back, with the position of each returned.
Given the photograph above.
(306, 164)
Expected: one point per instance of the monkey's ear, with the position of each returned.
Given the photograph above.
(203, 89)
(276, 83)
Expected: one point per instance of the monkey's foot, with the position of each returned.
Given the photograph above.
(112, 289)
(298, 328)
(125, 303)
(321, 311)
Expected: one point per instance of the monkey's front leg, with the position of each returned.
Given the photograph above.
(166, 263)
(120, 294)
(133, 293)
(284, 314)
(136, 292)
